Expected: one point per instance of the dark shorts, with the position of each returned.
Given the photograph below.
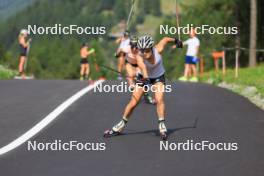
(160, 79)
(23, 51)
(191, 60)
(84, 61)
(133, 65)
(153, 81)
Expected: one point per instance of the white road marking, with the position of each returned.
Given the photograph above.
(47, 120)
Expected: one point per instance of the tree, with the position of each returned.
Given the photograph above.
(253, 33)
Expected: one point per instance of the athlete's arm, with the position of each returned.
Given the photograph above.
(23, 42)
(92, 50)
(86, 52)
(142, 66)
(118, 40)
(122, 51)
(179, 44)
(161, 45)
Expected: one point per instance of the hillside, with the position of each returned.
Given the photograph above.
(57, 56)
(11, 7)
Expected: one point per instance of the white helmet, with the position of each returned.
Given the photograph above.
(145, 42)
(24, 32)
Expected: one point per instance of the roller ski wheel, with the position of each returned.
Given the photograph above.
(111, 133)
(163, 136)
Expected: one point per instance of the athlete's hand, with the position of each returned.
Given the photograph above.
(143, 82)
(146, 81)
(178, 43)
(146, 84)
(117, 55)
(92, 50)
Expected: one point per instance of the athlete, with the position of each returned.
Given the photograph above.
(124, 41)
(133, 72)
(150, 62)
(85, 67)
(191, 59)
(24, 46)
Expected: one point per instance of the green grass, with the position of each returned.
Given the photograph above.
(6, 73)
(246, 77)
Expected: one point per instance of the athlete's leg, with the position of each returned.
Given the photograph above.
(121, 62)
(136, 96)
(159, 89)
(21, 65)
(131, 73)
(186, 73)
(186, 70)
(194, 71)
(82, 72)
(190, 72)
(87, 71)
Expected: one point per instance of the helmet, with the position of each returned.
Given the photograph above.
(145, 42)
(133, 41)
(126, 33)
(23, 31)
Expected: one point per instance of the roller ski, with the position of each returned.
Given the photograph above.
(163, 136)
(163, 130)
(111, 133)
(116, 130)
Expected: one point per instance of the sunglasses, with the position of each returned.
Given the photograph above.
(145, 50)
(134, 47)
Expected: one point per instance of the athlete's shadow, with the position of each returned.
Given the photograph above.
(170, 131)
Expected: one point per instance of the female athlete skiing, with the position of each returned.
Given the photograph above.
(150, 62)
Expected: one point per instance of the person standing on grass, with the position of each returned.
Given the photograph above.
(150, 62)
(190, 71)
(85, 67)
(24, 47)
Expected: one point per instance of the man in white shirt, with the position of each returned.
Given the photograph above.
(191, 59)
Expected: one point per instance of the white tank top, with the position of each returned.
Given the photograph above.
(130, 56)
(124, 43)
(155, 70)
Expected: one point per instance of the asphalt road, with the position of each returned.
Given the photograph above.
(195, 112)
